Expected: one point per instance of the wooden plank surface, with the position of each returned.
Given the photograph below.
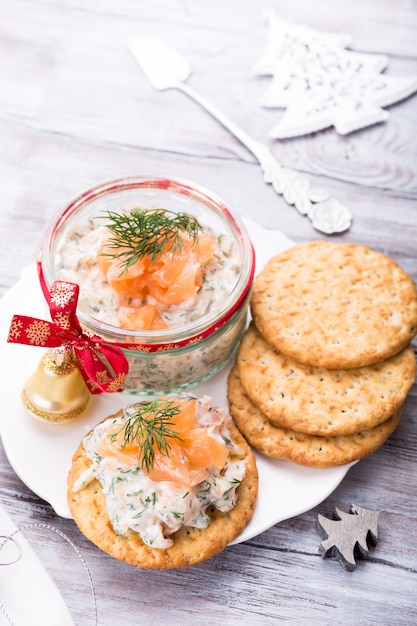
(75, 110)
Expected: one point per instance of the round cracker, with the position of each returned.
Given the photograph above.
(310, 450)
(317, 401)
(191, 545)
(335, 305)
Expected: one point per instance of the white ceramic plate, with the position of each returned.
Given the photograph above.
(41, 453)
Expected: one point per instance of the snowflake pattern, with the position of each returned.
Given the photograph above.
(62, 294)
(92, 386)
(38, 333)
(139, 348)
(15, 329)
(102, 377)
(117, 383)
(196, 339)
(62, 319)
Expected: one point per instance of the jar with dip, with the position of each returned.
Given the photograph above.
(191, 338)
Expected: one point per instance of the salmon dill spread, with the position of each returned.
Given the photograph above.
(162, 464)
(148, 269)
(153, 271)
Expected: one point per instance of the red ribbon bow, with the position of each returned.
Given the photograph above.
(104, 367)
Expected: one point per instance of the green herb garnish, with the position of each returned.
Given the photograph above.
(148, 232)
(148, 427)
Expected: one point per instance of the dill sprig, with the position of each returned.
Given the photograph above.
(147, 232)
(148, 427)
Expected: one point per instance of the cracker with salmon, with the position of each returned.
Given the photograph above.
(317, 401)
(310, 450)
(335, 305)
(190, 544)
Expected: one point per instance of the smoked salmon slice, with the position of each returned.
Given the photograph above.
(171, 279)
(190, 457)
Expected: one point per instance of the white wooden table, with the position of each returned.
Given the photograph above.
(75, 110)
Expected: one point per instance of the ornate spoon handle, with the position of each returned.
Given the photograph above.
(327, 214)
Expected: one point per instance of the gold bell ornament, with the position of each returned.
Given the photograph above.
(56, 392)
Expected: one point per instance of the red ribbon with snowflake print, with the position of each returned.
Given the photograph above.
(104, 367)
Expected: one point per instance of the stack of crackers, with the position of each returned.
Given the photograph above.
(325, 366)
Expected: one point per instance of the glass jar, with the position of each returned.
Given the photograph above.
(172, 359)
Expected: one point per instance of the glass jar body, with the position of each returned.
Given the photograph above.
(178, 357)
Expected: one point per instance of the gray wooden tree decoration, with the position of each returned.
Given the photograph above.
(348, 534)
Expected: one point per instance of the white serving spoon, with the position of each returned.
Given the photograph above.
(166, 68)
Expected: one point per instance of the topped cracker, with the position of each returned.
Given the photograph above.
(216, 517)
(335, 305)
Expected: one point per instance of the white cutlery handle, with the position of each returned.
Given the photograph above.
(326, 214)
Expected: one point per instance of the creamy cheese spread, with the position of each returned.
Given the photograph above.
(157, 509)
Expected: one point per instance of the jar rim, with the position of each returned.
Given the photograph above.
(207, 323)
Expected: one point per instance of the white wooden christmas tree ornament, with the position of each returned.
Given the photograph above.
(321, 84)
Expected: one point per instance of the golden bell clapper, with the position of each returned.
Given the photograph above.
(56, 392)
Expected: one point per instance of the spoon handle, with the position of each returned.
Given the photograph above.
(326, 214)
